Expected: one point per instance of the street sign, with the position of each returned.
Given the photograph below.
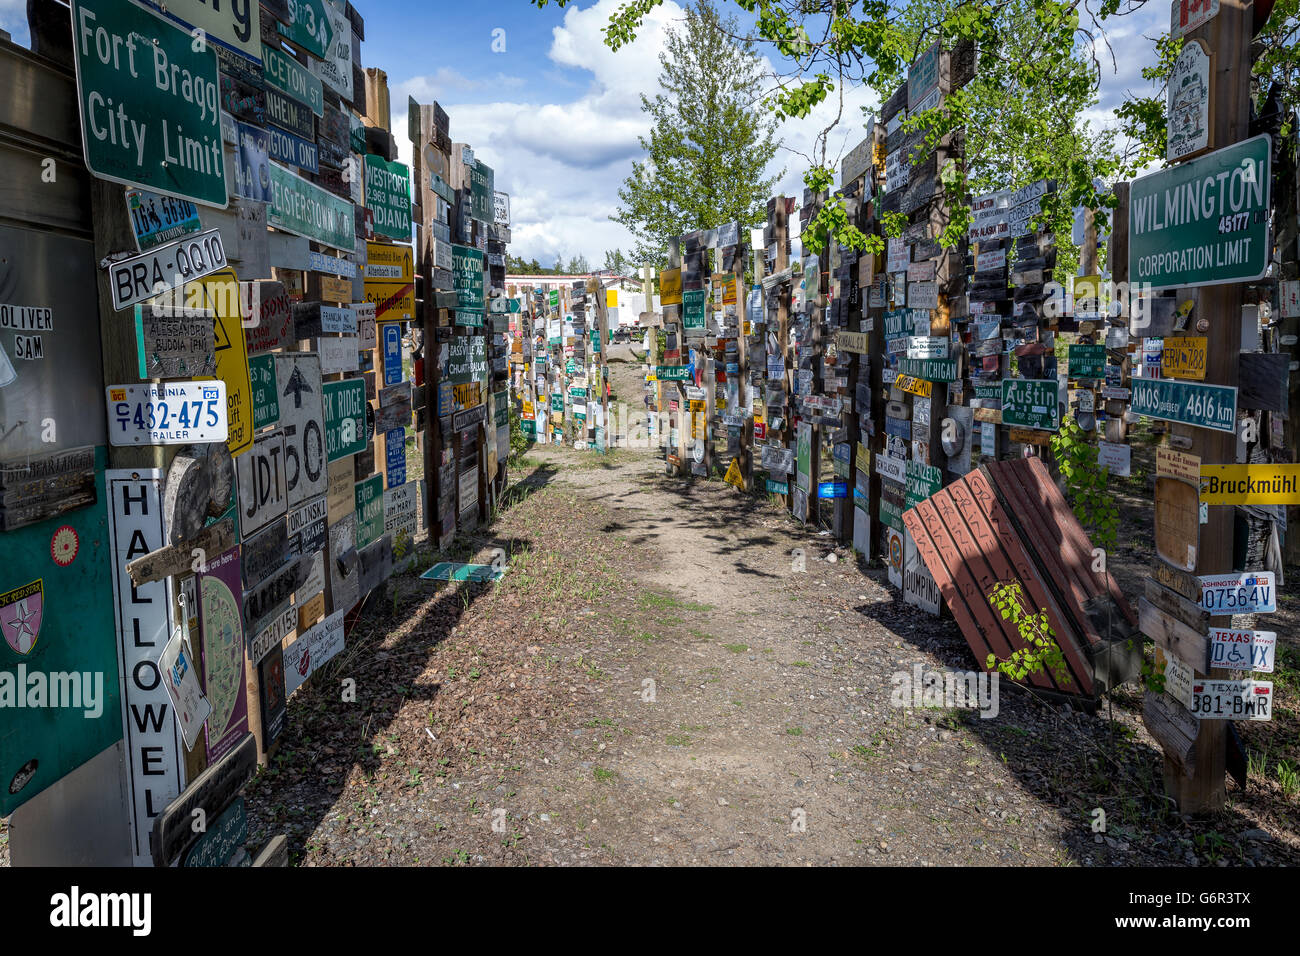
(260, 476)
(154, 124)
(369, 510)
(305, 209)
(1205, 221)
(236, 26)
(1250, 484)
(1205, 406)
(693, 308)
(302, 420)
(266, 397)
(345, 417)
(289, 76)
(388, 196)
(1252, 592)
(165, 267)
(309, 26)
(178, 413)
(392, 353)
(1031, 403)
(1087, 361)
(674, 373)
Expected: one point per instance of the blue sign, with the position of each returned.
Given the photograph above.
(446, 399)
(253, 164)
(898, 427)
(832, 489)
(292, 150)
(395, 450)
(392, 354)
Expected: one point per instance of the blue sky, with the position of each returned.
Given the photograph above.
(557, 115)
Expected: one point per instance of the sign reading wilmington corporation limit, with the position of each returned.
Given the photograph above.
(1204, 222)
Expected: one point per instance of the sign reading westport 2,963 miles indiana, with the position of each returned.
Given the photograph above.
(149, 101)
(1204, 222)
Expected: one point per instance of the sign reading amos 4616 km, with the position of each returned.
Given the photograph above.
(1204, 222)
(150, 102)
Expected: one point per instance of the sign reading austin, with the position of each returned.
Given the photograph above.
(149, 102)
(1205, 221)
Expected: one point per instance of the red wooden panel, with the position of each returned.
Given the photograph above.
(979, 499)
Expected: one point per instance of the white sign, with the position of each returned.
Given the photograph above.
(919, 586)
(1188, 110)
(335, 70)
(1250, 592)
(898, 171)
(367, 332)
(176, 413)
(1232, 700)
(260, 476)
(180, 676)
(338, 354)
(302, 422)
(165, 267)
(501, 209)
(1186, 15)
(923, 295)
(895, 469)
(1242, 650)
(312, 651)
(899, 255)
(1178, 681)
(284, 623)
(1114, 457)
(894, 560)
(926, 347)
(988, 262)
(151, 736)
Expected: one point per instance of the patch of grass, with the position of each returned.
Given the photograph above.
(736, 648)
(678, 740)
(794, 731)
(801, 664)
(603, 775)
(662, 602)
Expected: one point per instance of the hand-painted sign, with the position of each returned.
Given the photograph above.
(221, 625)
(1205, 406)
(693, 301)
(1203, 222)
(1187, 117)
(154, 124)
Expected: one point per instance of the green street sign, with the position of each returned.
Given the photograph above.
(345, 417)
(1205, 406)
(309, 26)
(369, 500)
(932, 370)
(891, 515)
(693, 308)
(469, 320)
(575, 392)
(1087, 361)
(1031, 403)
(922, 481)
(388, 196)
(150, 105)
(673, 373)
(557, 403)
(266, 397)
(482, 192)
(554, 298)
(305, 209)
(467, 278)
(289, 76)
(467, 359)
(1203, 222)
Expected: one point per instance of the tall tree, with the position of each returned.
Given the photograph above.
(708, 145)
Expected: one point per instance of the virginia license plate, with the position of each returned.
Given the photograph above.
(178, 413)
(1253, 592)
(1232, 700)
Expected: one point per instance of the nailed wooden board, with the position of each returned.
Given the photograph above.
(1175, 638)
(1177, 522)
(211, 792)
(1168, 722)
(179, 558)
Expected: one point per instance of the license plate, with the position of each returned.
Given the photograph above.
(156, 219)
(1232, 700)
(1254, 592)
(151, 273)
(1242, 650)
(178, 413)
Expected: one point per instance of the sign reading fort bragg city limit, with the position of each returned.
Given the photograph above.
(149, 101)
(1204, 222)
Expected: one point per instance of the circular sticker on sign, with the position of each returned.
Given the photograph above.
(896, 551)
(64, 546)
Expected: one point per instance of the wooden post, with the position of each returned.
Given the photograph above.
(780, 231)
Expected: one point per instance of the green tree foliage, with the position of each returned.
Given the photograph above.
(1041, 652)
(516, 266)
(617, 262)
(708, 145)
(1085, 483)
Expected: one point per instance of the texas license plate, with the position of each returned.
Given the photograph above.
(177, 413)
(1232, 700)
(1252, 592)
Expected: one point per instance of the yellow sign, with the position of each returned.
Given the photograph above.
(527, 413)
(611, 298)
(733, 475)
(1029, 436)
(916, 386)
(749, 329)
(388, 262)
(1184, 356)
(851, 342)
(728, 289)
(863, 459)
(393, 301)
(219, 292)
(1250, 484)
(697, 425)
(1171, 463)
(670, 287)
(697, 405)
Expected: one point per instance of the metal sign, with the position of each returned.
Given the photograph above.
(369, 510)
(179, 413)
(308, 25)
(1031, 403)
(236, 26)
(289, 76)
(467, 279)
(154, 124)
(302, 422)
(345, 418)
(1203, 222)
(156, 219)
(1252, 592)
(164, 267)
(1243, 650)
(1087, 361)
(305, 209)
(335, 64)
(1186, 15)
(392, 335)
(1183, 356)
(388, 196)
(266, 396)
(1250, 484)
(174, 344)
(260, 476)
(1232, 700)
(1205, 406)
(285, 147)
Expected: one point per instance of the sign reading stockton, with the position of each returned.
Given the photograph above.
(1204, 222)
(150, 112)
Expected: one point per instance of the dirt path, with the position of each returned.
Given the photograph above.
(654, 681)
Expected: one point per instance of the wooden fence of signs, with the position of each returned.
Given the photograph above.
(248, 468)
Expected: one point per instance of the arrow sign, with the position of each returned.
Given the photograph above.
(309, 26)
(297, 385)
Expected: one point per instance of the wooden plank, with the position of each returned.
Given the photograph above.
(211, 792)
(1177, 606)
(175, 559)
(1175, 638)
(1167, 721)
(275, 853)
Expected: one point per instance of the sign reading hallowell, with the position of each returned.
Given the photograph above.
(1204, 222)
(149, 101)
(388, 196)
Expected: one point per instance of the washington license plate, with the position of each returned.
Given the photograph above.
(1252, 592)
(177, 413)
